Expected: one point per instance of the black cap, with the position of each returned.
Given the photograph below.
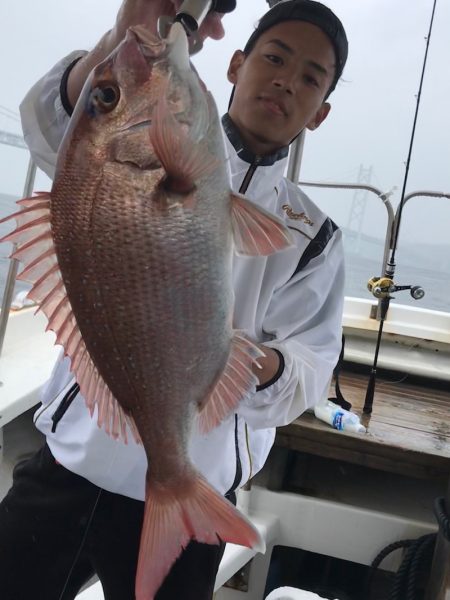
(312, 12)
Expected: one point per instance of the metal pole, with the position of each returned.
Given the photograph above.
(295, 157)
(425, 193)
(14, 264)
(384, 197)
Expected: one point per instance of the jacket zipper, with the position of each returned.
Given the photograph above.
(249, 175)
(64, 405)
(238, 476)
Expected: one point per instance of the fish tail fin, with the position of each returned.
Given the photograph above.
(171, 521)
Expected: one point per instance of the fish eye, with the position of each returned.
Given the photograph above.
(106, 96)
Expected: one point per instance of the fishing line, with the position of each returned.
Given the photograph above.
(390, 266)
(89, 522)
(405, 180)
(83, 541)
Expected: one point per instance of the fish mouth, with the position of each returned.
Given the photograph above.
(151, 46)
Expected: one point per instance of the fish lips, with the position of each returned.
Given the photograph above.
(138, 53)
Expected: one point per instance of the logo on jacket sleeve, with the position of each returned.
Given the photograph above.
(297, 216)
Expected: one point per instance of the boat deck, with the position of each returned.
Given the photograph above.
(401, 464)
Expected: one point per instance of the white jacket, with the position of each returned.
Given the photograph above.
(291, 301)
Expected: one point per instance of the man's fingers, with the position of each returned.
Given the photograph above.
(146, 12)
(212, 27)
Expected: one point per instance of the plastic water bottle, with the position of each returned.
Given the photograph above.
(338, 418)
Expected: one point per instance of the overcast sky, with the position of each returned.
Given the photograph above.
(372, 108)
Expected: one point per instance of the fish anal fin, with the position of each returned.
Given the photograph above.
(173, 518)
(256, 231)
(236, 380)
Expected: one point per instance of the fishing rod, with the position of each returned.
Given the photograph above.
(191, 15)
(383, 287)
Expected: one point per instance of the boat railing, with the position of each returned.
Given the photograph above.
(14, 264)
(416, 194)
(393, 217)
(383, 196)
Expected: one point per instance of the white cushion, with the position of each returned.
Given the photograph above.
(289, 593)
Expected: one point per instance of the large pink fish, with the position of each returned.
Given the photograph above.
(130, 259)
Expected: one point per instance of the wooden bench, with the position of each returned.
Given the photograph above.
(408, 431)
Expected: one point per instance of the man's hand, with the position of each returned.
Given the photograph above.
(268, 365)
(136, 12)
(212, 25)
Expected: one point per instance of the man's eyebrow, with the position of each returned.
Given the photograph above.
(311, 63)
(281, 45)
(317, 67)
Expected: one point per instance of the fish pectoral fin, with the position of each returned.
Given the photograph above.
(193, 510)
(256, 231)
(36, 250)
(236, 380)
(184, 161)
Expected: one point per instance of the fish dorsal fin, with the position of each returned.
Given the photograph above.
(236, 380)
(256, 232)
(36, 250)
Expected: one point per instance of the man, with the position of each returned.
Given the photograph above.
(79, 500)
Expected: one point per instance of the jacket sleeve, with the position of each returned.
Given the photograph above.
(304, 322)
(44, 119)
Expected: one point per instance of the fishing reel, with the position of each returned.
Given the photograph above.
(383, 287)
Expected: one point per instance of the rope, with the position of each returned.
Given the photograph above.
(420, 559)
(398, 589)
(417, 560)
(440, 512)
(379, 559)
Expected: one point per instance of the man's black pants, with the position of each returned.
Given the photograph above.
(57, 530)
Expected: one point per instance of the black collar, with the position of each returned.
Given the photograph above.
(246, 155)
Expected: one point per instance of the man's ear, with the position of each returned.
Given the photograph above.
(319, 117)
(237, 60)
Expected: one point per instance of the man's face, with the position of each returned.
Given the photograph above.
(281, 85)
